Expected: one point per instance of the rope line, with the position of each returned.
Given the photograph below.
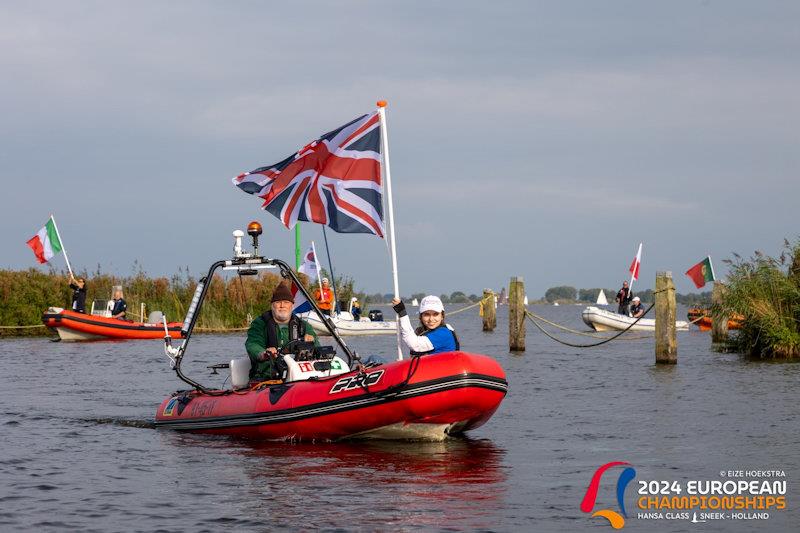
(476, 304)
(605, 340)
(573, 345)
(22, 327)
(577, 332)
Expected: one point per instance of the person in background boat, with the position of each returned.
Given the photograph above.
(120, 308)
(78, 286)
(324, 297)
(355, 309)
(637, 309)
(623, 298)
(273, 330)
(433, 335)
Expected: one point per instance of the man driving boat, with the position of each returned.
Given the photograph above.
(272, 331)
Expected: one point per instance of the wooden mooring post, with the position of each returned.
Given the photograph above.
(666, 337)
(489, 314)
(516, 315)
(719, 322)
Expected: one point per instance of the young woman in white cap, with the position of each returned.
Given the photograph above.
(433, 335)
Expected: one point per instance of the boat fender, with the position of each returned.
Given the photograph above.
(240, 372)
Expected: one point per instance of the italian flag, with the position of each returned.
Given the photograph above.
(702, 272)
(45, 244)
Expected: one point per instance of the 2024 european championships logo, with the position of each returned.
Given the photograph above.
(616, 519)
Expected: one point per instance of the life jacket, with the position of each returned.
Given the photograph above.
(422, 332)
(296, 325)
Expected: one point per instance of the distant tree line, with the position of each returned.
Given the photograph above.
(456, 297)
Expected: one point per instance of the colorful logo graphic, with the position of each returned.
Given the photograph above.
(170, 407)
(616, 519)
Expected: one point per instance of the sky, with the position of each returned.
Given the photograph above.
(534, 139)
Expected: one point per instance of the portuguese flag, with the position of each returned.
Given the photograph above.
(702, 272)
(45, 244)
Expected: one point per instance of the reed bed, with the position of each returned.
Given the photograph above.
(230, 303)
(766, 291)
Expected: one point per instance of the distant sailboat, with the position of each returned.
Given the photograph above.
(555, 303)
(601, 298)
(414, 302)
(525, 300)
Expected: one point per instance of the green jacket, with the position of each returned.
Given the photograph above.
(256, 343)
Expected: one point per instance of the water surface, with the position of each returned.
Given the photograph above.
(79, 450)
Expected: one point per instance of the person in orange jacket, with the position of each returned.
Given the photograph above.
(324, 297)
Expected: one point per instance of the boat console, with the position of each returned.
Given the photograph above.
(302, 360)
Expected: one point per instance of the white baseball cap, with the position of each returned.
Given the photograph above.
(431, 303)
(636, 299)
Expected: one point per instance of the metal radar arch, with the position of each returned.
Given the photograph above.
(244, 263)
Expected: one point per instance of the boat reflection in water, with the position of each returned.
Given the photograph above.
(365, 484)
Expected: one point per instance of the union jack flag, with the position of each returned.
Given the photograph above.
(334, 180)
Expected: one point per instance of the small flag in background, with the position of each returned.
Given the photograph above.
(702, 272)
(310, 266)
(637, 261)
(45, 244)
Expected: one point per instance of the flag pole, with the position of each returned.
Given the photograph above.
(297, 247)
(390, 219)
(635, 259)
(333, 275)
(63, 248)
(319, 278)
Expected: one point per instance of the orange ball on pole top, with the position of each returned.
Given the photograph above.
(382, 103)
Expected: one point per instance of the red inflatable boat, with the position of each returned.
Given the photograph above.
(447, 393)
(322, 395)
(72, 326)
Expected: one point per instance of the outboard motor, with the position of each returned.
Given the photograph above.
(376, 315)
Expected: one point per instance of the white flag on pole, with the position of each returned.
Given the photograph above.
(310, 266)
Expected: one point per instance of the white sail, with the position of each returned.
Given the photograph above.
(525, 300)
(601, 298)
(414, 302)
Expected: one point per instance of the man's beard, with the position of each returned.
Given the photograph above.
(282, 316)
